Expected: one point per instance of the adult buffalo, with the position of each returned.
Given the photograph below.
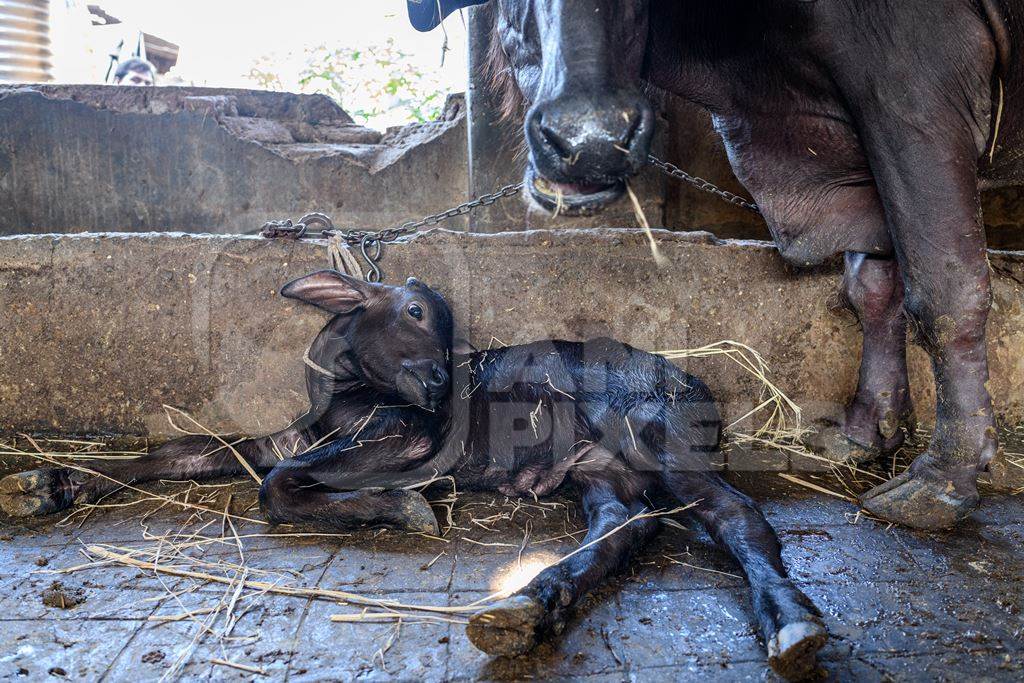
(859, 126)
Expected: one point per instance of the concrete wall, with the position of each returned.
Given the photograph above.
(95, 157)
(76, 158)
(98, 331)
(82, 157)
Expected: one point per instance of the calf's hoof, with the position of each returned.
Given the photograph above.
(924, 497)
(508, 627)
(792, 651)
(414, 513)
(36, 492)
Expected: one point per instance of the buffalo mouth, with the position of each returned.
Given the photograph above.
(572, 199)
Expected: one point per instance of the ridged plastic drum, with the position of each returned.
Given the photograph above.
(25, 55)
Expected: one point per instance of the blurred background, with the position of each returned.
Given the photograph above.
(365, 55)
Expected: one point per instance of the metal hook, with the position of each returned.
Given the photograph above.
(315, 217)
(374, 274)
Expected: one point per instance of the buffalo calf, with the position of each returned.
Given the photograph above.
(394, 402)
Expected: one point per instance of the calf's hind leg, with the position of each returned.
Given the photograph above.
(514, 625)
(788, 620)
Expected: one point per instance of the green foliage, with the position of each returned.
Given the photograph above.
(368, 82)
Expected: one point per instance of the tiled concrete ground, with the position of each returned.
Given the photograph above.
(899, 605)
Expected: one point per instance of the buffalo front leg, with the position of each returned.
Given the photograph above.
(516, 624)
(947, 289)
(881, 412)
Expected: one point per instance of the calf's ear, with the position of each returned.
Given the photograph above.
(331, 291)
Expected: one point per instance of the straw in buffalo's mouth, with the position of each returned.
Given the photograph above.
(555, 189)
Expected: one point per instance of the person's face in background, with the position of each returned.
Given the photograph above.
(137, 78)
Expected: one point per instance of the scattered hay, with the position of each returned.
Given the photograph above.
(641, 219)
(781, 427)
(211, 523)
(70, 449)
(241, 667)
(815, 487)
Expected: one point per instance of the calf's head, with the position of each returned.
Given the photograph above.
(397, 339)
(578, 64)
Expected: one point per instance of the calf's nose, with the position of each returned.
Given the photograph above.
(438, 376)
(431, 373)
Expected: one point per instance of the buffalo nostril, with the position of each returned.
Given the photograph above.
(632, 118)
(555, 142)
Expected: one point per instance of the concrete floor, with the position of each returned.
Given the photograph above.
(899, 605)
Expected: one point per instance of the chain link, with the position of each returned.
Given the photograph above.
(674, 171)
(371, 242)
(464, 208)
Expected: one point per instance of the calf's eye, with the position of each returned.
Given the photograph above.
(416, 311)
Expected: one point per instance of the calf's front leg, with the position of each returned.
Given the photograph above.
(348, 483)
(51, 489)
(290, 496)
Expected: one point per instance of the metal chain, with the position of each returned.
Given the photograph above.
(371, 242)
(464, 208)
(705, 185)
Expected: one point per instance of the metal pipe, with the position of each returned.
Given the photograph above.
(492, 161)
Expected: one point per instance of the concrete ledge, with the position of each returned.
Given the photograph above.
(89, 157)
(103, 157)
(99, 330)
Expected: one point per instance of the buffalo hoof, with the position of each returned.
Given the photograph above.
(507, 628)
(831, 443)
(792, 651)
(923, 497)
(414, 513)
(36, 492)
(1003, 475)
(853, 440)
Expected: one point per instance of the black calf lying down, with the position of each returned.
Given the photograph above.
(614, 422)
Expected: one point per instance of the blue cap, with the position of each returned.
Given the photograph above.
(427, 14)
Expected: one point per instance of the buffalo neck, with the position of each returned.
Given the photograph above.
(705, 51)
